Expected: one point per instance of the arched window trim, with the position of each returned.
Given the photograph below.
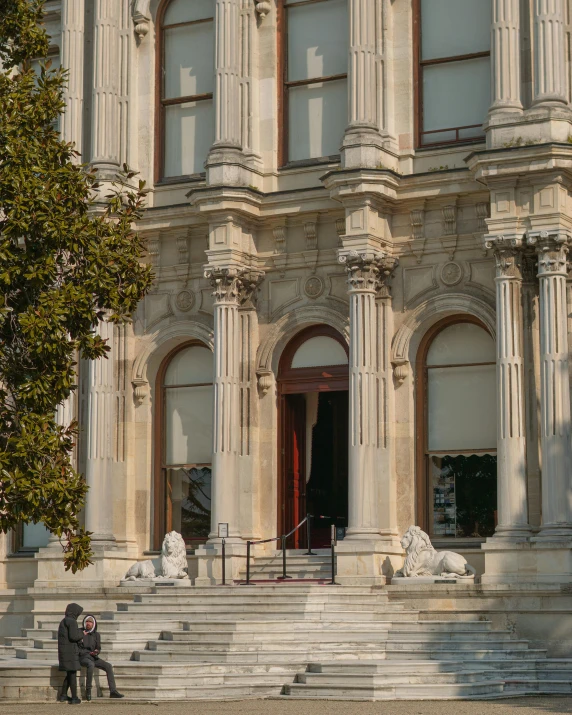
(421, 412)
(160, 103)
(284, 85)
(418, 65)
(159, 503)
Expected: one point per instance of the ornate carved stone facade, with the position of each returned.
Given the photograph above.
(384, 244)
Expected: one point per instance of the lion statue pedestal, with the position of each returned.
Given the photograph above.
(423, 564)
(170, 570)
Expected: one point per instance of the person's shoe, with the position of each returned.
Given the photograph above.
(88, 694)
(115, 694)
(74, 701)
(64, 698)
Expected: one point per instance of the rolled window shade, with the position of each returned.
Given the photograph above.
(460, 344)
(189, 425)
(462, 408)
(454, 27)
(318, 351)
(189, 133)
(188, 11)
(193, 365)
(189, 60)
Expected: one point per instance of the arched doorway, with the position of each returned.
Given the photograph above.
(456, 430)
(313, 434)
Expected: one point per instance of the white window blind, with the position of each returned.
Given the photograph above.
(319, 351)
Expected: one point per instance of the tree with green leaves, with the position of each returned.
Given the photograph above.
(68, 259)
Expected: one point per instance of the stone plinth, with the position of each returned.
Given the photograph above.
(537, 561)
(366, 563)
(417, 580)
(109, 566)
(209, 563)
(156, 583)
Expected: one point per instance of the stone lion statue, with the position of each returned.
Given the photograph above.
(173, 561)
(421, 559)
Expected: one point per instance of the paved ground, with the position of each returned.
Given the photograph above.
(520, 706)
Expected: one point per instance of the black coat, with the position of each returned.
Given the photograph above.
(69, 635)
(90, 645)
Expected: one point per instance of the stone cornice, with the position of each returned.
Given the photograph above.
(496, 164)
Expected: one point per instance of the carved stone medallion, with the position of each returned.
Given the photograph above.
(451, 273)
(185, 300)
(314, 287)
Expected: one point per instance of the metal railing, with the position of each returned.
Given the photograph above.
(307, 520)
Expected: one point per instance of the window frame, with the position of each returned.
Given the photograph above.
(160, 102)
(418, 65)
(284, 85)
(422, 453)
(162, 511)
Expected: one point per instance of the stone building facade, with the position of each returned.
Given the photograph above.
(359, 221)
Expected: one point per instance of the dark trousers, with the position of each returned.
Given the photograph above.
(70, 681)
(90, 664)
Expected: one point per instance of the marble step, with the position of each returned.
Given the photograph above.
(279, 626)
(447, 626)
(275, 605)
(438, 644)
(395, 635)
(323, 635)
(406, 676)
(272, 615)
(262, 646)
(51, 655)
(405, 691)
(223, 655)
(474, 654)
(251, 595)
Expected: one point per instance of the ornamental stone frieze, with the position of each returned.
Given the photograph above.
(234, 285)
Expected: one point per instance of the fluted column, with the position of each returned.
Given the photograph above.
(72, 59)
(106, 85)
(232, 287)
(99, 435)
(555, 433)
(362, 71)
(366, 272)
(549, 52)
(511, 426)
(227, 70)
(505, 56)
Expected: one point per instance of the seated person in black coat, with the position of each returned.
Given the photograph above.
(69, 635)
(89, 650)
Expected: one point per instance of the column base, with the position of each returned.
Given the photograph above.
(229, 166)
(367, 561)
(540, 124)
(209, 563)
(366, 148)
(108, 568)
(532, 561)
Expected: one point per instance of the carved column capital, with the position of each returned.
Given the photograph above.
(369, 270)
(508, 252)
(234, 285)
(552, 248)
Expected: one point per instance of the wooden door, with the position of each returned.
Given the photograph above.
(294, 498)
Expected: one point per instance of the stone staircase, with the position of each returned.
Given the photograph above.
(299, 565)
(295, 640)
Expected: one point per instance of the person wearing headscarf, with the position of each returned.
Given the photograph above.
(89, 650)
(69, 635)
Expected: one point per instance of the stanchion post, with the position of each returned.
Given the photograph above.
(224, 562)
(284, 576)
(333, 544)
(248, 563)
(309, 535)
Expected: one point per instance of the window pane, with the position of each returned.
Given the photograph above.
(317, 116)
(464, 495)
(318, 351)
(35, 536)
(189, 133)
(189, 495)
(190, 366)
(456, 94)
(462, 408)
(189, 425)
(461, 344)
(454, 27)
(189, 60)
(188, 11)
(317, 40)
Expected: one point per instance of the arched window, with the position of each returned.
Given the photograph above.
(314, 64)
(186, 81)
(456, 428)
(185, 422)
(452, 70)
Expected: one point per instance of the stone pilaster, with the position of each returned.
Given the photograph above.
(72, 58)
(232, 288)
(505, 57)
(364, 138)
(98, 432)
(105, 133)
(549, 52)
(555, 433)
(369, 375)
(227, 69)
(511, 426)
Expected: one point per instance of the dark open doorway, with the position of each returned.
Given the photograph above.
(313, 437)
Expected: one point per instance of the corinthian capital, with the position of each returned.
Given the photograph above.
(367, 271)
(508, 253)
(552, 248)
(234, 285)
